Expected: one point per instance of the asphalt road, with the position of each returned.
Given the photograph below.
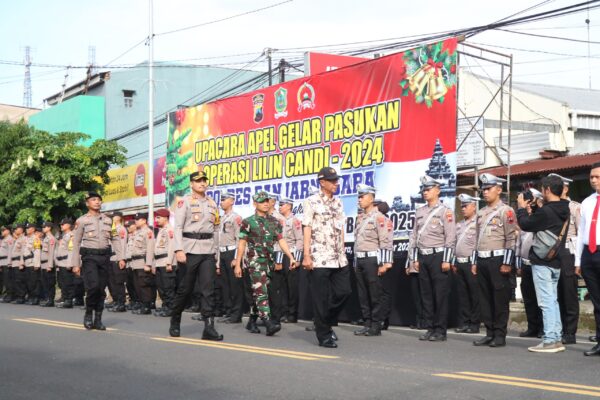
(46, 354)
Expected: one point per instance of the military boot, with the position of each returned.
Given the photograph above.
(98, 321)
(272, 326)
(251, 325)
(88, 322)
(210, 333)
(175, 327)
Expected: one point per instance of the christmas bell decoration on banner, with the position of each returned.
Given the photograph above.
(428, 81)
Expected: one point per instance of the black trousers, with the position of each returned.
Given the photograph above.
(495, 295)
(249, 293)
(370, 290)
(568, 297)
(199, 268)
(166, 283)
(590, 270)
(95, 278)
(415, 290)
(533, 312)
(285, 291)
(2, 285)
(66, 282)
(435, 288)
(330, 288)
(117, 278)
(30, 282)
(48, 279)
(133, 296)
(9, 281)
(79, 288)
(469, 313)
(142, 281)
(233, 288)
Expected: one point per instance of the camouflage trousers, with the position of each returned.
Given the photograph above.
(259, 280)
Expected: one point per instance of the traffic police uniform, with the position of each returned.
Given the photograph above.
(20, 279)
(62, 260)
(432, 243)
(48, 273)
(134, 302)
(8, 273)
(466, 282)
(165, 265)
(117, 277)
(373, 247)
(30, 258)
(197, 235)
(496, 239)
(142, 259)
(92, 242)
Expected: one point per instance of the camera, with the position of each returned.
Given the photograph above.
(527, 195)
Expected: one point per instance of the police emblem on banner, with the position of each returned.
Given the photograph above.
(281, 103)
(258, 101)
(306, 97)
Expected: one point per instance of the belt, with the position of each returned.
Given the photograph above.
(463, 260)
(432, 250)
(44, 262)
(84, 251)
(61, 258)
(15, 258)
(227, 248)
(197, 235)
(27, 257)
(159, 256)
(491, 253)
(138, 257)
(525, 261)
(365, 254)
(3, 257)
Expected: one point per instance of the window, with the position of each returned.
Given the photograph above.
(128, 98)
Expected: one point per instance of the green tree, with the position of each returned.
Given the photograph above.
(45, 176)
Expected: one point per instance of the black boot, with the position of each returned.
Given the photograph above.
(65, 304)
(175, 327)
(362, 331)
(210, 333)
(143, 310)
(98, 325)
(251, 325)
(88, 322)
(272, 326)
(374, 330)
(119, 307)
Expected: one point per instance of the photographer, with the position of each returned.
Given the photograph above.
(551, 217)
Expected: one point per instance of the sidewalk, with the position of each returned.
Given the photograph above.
(518, 321)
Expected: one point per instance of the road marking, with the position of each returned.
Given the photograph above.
(525, 383)
(58, 324)
(249, 349)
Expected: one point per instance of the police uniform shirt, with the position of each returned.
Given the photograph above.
(466, 237)
(120, 233)
(63, 251)
(31, 251)
(129, 248)
(94, 232)
(293, 236)
(142, 251)
(497, 230)
(374, 233)
(17, 252)
(6, 251)
(47, 253)
(164, 247)
(230, 230)
(439, 232)
(281, 219)
(195, 214)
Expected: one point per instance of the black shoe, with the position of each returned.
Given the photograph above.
(385, 324)
(472, 329)
(594, 351)
(18, 301)
(498, 342)
(98, 325)
(175, 326)
(209, 332)
(374, 330)
(165, 312)
(359, 321)
(65, 304)
(233, 321)
(329, 343)
(7, 299)
(88, 321)
(292, 319)
(197, 317)
(462, 329)
(47, 303)
(333, 335)
(362, 331)
(272, 326)
(437, 337)
(426, 335)
(529, 333)
(223, 319)
(310, 328)
(109, 305)
(593, 339)
(569, 339)
(251, 325)
(484, 341)
(145, 310)
(120, 307)
(78, 302)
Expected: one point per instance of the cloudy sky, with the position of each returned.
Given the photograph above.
(60, 32)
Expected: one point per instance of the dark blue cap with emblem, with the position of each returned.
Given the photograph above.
(198, 176)
(91, 195)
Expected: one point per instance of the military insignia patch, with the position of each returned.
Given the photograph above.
(510, 217)
(171, 234)
(150, 234)
(180, 204)
(449, 215)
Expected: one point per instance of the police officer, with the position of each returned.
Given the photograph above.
(48, 273)
(142, 259)
(117, 276)
(62, 260)
(165, 264)
(432, 247)
(285, 279)
(134, 303)
(92, 241)
(468, 288)
(373, 252)
(6, 246)
(196, 247)
(258, 234)
(495, 252)
(568, 297)
(20, 278)
(233, 288)
(31, 258)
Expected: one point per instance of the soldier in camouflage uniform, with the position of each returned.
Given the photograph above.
(260, 232)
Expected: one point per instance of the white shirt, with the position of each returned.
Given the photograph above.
(583, 236)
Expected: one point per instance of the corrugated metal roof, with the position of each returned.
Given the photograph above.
(575, 98)
(543, 165)
(524, 147)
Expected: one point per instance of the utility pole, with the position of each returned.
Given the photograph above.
(27, 82)
(282, 65)
(150, 175)
(267, 53)
(587, 21)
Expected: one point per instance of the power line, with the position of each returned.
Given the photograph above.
(549, 36)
